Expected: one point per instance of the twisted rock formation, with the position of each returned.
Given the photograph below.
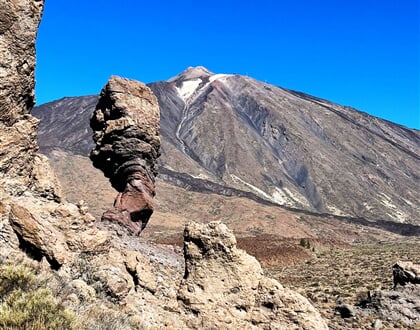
(126, 132)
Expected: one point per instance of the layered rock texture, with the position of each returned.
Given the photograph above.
(126, 132)
(18, 27)
(19, 22)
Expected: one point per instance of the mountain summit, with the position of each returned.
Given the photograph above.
(234, 135)
(191, 73)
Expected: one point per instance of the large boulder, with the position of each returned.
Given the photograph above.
(126, 132)
(406, 272)
(224, 287)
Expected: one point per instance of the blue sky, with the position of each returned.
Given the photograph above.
(364, 54)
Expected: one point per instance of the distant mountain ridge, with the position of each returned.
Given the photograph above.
(283, 146)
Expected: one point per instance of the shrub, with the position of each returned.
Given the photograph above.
(24, 304)
(304, 243)
(14, 277)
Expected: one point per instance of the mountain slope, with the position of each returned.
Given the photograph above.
(233, 134)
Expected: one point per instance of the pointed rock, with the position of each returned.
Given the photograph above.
(192, 73)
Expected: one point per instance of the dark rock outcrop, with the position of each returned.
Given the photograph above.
(126, 132)
(344, 310)
(405, 272)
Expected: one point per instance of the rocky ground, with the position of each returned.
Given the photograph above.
(348, 274)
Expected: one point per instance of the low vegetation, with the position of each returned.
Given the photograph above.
(32, 299)
(25, 303)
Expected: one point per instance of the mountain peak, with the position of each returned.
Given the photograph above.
(192, 73)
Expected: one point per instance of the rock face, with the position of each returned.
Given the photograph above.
(225, 288)
(33, 216)
(19, 22)
(404, 272)
(126, 132)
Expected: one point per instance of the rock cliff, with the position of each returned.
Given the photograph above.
(34, 217)
(19, 22)
(126, 132)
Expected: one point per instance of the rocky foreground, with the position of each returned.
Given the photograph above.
(100, 274)
(102, 265)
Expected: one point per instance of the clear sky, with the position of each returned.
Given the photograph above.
(361, 53)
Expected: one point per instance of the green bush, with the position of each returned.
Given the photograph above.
(304, 243)
(15, 277)
(24, 304)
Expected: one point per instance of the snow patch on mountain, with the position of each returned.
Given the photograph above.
(188, 88)
(218, 77)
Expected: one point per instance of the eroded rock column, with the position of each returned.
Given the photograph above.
(19, 22)
(126, 132)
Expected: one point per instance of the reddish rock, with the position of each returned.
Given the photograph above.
(126, 132)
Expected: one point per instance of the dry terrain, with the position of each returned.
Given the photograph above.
(347, 274)
(325, 259)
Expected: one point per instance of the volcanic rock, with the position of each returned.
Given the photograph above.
(406, 272)
(33, 216)
(225, 288)
(19, 22)
(344, 310)
(399, 306)
(126, 132)
(93, 270)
